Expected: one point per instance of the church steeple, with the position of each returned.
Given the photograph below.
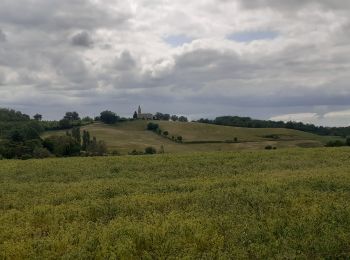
(139, 110)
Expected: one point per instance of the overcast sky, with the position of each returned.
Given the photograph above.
(279, 59)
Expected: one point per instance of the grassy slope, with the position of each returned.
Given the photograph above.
(127, 136)
(262, 204)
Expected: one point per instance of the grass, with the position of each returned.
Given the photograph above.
(291, 203)
(127, 136)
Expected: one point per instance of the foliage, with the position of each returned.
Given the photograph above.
(62, 146)
(152, 126)
(183, 119)
(72, 116)
(336, 143)
(248, 205)
(150, 150)
(109, 117)
(255, 123)
(161, 116)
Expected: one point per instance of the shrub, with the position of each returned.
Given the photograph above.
(152, 126)
(179, 139)
(115, 153)
(150, 150)
(165, 133)
(348, 141)
(336, 143)
(235, 139)
(268, 147)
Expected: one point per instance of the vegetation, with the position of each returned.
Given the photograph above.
(109, 117)
(254, 123)
(256, 205)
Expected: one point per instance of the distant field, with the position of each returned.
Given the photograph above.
(283, 204)
(124, 137)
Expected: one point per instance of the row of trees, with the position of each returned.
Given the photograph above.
(156, 128)
(254, 123)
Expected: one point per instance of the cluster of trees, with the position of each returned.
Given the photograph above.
(155, 128)
(167, 117)
(255, 123)
(75, 144)
(19, 135)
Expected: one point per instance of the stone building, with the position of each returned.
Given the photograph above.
(144, 116)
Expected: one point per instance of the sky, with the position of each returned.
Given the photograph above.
(268, 59)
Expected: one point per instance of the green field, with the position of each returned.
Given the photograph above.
(291, 203)
(127, 136)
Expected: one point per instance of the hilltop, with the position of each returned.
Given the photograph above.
(127, 136)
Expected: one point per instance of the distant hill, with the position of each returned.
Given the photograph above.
(127, 136)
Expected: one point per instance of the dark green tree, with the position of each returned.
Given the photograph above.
(109, 117)
(135, 115)
(38, 117)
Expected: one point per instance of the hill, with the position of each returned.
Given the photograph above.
(127, 136)
(258, 205)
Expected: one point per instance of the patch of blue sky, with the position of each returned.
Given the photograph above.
(250, 36)
(177, 40)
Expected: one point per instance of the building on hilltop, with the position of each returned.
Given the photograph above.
(144, 116)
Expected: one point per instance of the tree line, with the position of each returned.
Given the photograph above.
(255, 123)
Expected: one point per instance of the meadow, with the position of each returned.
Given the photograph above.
(290, 203)
(197, 137)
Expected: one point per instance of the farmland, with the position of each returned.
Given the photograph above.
(289, 203)
(127, 136)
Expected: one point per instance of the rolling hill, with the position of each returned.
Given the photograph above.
(127, 136)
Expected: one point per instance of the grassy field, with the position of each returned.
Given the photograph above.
(124, 137)
(291, 203)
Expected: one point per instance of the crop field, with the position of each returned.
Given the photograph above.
(127, 136)
(290, 203)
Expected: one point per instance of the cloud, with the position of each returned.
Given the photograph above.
(2, 36)
(260, 58)
(82, 39)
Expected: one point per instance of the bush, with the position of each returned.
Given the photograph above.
(336, 143)
(152, 126)
(134, 152)
(165, 133)
(115, 153)
(268, 147)
(179, 139)
(348, 141)
(150, 150)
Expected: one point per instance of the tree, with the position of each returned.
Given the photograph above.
(348, 141)
(65, 123)
(86, 140)
(76, 134)
(183, 119)
(174, 118)
(165, 133)
(109, 117)
(38, 117)
(72, 116)
(179, 139)
(135, 115)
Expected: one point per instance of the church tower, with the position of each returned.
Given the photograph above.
(139, 111)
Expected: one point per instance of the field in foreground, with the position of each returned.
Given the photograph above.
(127, 136)
(259, 204)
